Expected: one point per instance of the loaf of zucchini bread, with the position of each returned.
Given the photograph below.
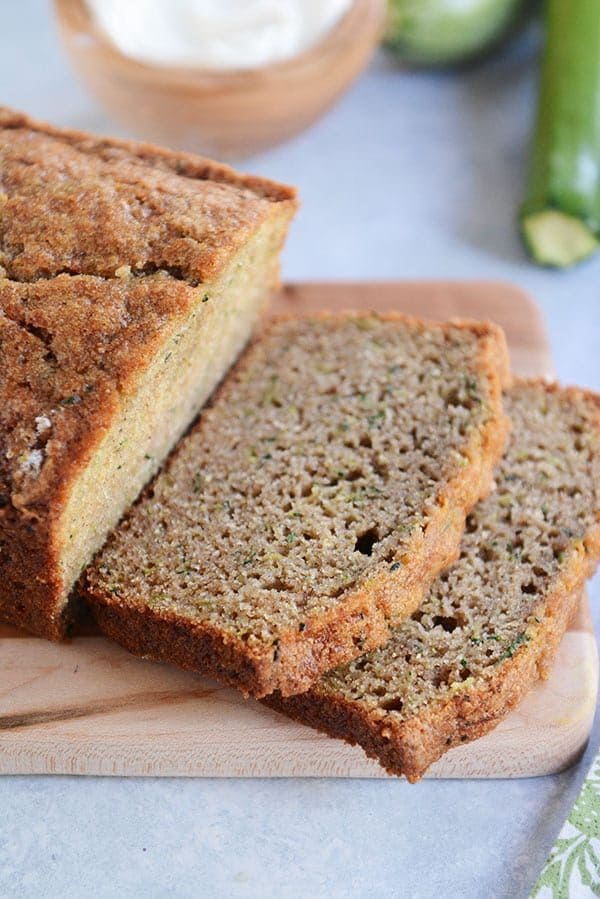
(130, 279)
(317, 498)
(491, 624)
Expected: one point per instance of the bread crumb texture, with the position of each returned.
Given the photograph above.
(316, 471)
(525, 549)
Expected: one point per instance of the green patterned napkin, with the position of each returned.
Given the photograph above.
(573, 866)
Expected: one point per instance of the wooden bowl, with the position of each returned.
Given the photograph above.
(227, 114)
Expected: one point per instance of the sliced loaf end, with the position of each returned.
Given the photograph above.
(130, 280)
(491, 624)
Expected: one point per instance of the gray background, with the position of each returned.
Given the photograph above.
(412, 175)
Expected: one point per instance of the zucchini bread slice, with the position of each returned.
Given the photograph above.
(130, 280)
(318, 496)
(491, 624)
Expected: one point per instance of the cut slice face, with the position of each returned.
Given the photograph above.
(313, 504)
(491, 624)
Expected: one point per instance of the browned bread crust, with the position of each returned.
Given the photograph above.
(78, 204)
(103, 244)
(365, 617)
(71, 346)
(408, 747)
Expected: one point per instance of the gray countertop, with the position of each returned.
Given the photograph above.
(412, 175)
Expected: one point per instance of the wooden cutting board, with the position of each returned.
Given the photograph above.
(90, 708)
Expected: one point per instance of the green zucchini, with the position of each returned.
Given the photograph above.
(448, 32)
(560, 216)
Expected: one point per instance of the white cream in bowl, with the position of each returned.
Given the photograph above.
(216, 34)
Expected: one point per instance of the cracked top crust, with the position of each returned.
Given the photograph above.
(60, 377)
(76, 204)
